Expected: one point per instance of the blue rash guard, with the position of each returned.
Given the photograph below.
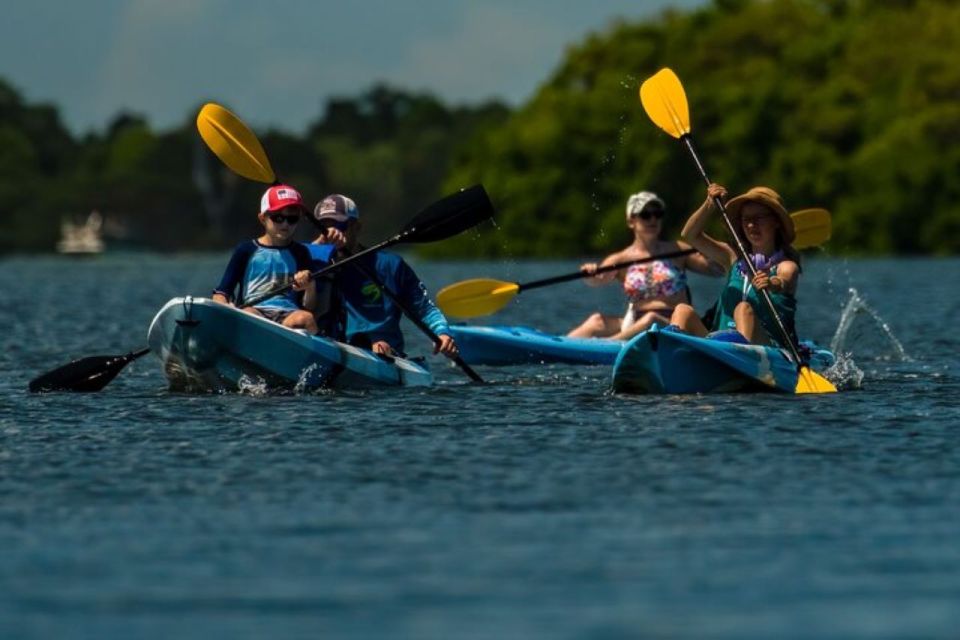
(255, 269)
(371, 314)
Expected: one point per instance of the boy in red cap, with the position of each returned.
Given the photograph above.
(271, 261)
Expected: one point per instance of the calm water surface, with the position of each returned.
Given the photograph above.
(538, 506)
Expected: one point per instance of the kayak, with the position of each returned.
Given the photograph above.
(668, 361)
(508, 345)
(208, 346)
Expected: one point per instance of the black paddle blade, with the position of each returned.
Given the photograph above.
(449, 216)
(84, 375)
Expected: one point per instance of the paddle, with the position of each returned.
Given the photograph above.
(665, 102)
(445, 218)
(85, 375)
(484, 296)
(237, 146)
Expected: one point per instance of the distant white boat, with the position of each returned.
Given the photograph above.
(81, 239)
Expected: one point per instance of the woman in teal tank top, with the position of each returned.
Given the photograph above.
(767, 231)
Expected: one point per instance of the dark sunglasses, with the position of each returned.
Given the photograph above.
(648, 213)
(277, 218)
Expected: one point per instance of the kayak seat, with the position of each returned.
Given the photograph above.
(728, 335)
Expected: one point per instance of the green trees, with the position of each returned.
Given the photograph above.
(848, 105)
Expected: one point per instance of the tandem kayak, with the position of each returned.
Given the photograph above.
(508, 345)
(667, 361)
(207, 346)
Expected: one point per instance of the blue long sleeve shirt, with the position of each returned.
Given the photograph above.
(371, 313)
(255, 269)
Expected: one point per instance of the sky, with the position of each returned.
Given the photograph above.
(276, 62)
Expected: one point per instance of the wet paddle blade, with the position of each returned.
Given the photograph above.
(475, 298)
(449, 216)
(810, 381)
(234, 143)
(665, 102)
(813, 227)
(85, 375)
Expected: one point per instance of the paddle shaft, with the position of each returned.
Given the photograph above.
(441, 220)
(742, 253)
(330, 267)
(415, 319)
(610, 267)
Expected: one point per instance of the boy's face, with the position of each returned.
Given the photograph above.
(281, 224)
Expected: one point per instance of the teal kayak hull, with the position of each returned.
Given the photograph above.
(207, 346)
(503, 345)
(666, 361)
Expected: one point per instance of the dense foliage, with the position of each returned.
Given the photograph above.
(848, 104)
(390, 150)
(853, 106)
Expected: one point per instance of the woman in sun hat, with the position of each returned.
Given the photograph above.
(766, 230)
(653, 289)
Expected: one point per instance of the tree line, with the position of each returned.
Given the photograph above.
(850, 105)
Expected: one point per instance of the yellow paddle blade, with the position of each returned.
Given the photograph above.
(477, 297)
(813, 227)
(234, 143)
(810, 381)
(665, 102)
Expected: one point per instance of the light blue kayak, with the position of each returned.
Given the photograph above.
(667, 361)
(509, 345)
(207, 346)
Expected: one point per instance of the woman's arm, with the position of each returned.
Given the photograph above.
(693, 231)
(788, 274)
(698, 263)
(600, 279)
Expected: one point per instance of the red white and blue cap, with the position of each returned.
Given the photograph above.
(280, 196)
(336, 207)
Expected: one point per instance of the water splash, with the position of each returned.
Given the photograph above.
(854, 307)
(312, 381)
(844, 372)
(256, 387)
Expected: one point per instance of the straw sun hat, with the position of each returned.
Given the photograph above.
(770, 199)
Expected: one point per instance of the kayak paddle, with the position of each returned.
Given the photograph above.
(665, 102)
(86, 374)
(485, 296)
(238, 148)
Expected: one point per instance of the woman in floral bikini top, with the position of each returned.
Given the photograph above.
(653, 289)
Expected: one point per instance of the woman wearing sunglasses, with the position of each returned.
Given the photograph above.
(272, 261)
(653, 289)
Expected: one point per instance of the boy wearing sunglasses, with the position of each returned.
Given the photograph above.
(371, 318)
(272, 261)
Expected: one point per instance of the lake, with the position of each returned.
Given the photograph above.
(537, 506)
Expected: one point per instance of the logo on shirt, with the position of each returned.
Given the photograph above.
(371, 293)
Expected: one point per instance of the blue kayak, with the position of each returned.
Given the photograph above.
(667, 361)
(509, 345)
(207, 346)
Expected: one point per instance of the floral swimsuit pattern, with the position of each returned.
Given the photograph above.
(657, 279)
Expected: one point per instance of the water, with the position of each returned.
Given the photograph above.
(538, 506)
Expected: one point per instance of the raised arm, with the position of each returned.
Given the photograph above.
(699, 263)
(693, 231)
